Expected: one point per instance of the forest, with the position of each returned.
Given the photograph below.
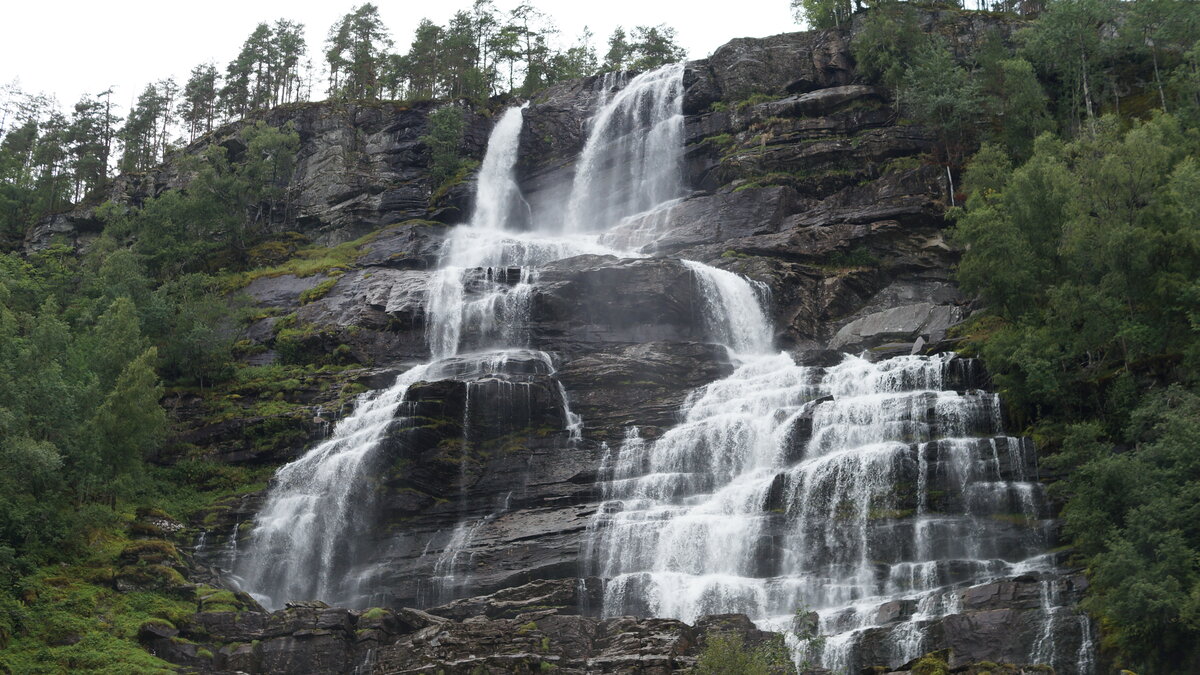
(1074, 148)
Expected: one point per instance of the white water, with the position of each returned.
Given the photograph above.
(837, 490)
(299, 546)
(631, 160)
(478, 304)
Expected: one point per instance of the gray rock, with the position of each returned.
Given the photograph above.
(282, 291)
(705, 219)
(790, 62)
(907, 322)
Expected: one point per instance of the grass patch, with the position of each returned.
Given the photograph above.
(857, 257)
(755, 99)
(374, 614)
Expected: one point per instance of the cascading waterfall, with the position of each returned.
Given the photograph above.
(842, 490)
(304, 543)
(870, 493)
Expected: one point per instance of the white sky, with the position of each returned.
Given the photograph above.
(71, 47)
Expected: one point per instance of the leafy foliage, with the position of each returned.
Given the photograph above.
(727, 654)
(888, 41)
(444, 138)
(1089, 253)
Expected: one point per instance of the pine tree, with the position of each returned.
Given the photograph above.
(356, 51)
(198, 108)
(617, 57)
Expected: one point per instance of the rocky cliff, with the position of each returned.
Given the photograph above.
(799, 176)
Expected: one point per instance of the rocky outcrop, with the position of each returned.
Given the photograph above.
(528, 629)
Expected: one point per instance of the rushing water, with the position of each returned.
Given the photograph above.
(306, 536)
(870, 493)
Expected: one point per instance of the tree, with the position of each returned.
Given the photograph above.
(822, 14)
(422, 62)
(890, 38)
(130, 423)
(577, 61)
(198, 109)
(654, 46)
(116, 341)
(87, 138)
(1017, 105)
(444, 137)
(532, 29)
(618, 55)
(141, 134)
(356, 52)
(288, 50)
(944, 97)
(1066, 42)
(1161, 28)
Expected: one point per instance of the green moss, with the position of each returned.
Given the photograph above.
(319, 291)
(151, 550)
(902, 164)
(856, 257)
(527, 628)
(204, 653)
(931, 664)
(374, 613)
(308, 261)
(72, 620)
(215, 596)
(722, 142)
(457, 178)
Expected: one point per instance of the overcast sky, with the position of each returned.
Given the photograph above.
(71, 47)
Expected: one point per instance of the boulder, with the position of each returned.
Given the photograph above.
(786, 63)
(907, 323)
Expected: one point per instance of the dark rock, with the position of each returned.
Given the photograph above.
(282, 291)
(75, 228)
(706, 219)
(907, 322)
(790, 62)
(819, 102)
(602, 299)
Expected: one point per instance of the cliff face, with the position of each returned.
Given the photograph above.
(798, 176)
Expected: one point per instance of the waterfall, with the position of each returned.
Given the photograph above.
(301, 546)
(874, 494)
(631, 160)
(842, 490)
(499, 203)
(305, 544)
(733, 309)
